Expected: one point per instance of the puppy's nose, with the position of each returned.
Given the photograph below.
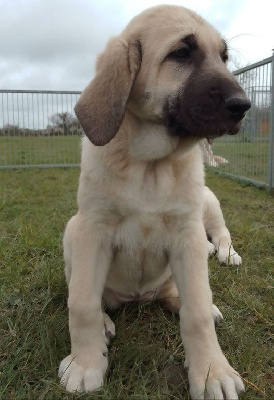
(237, 105)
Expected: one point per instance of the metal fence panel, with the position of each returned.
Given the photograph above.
(249, 154)
(38, 129)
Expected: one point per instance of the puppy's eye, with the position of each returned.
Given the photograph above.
(180, 54)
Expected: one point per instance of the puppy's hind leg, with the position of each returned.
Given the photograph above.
(67, 247)
(215, 227)
(168, 296)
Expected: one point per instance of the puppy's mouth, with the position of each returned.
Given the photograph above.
(206, 120)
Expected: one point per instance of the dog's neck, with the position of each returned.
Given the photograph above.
(142, 143)
(151, 141)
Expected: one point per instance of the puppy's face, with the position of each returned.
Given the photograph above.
(168, 67)
(183, 81)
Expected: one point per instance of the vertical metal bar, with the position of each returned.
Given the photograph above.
(12, 128)
(257, 132)
(263, 161)
(43, 129)
(53, 127)
(257, 118)
(63, 135)
(15, 154)
(267, 117)
(8, 130)
(18, 138)
(5, 162)
(68, 141)
(23, 126)
(64, 126)
(28, 117)
(33, 140)
(48, 128)
(39, 138)
(271, 132)
(56, 111)
(238, 158)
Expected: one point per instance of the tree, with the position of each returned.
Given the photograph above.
(64, 121)
(11, 130)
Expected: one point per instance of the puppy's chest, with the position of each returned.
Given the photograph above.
(137, 232)
(151, 187)
(151, 210)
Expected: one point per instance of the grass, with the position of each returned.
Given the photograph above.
(245, 159)
(146, 355)
(40, 150)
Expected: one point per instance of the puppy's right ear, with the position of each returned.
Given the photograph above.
(102, 105)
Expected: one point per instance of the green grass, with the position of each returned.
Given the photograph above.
(40, 150)
(245, 159)
(146, 355)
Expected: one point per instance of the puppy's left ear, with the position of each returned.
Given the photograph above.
(102, 105)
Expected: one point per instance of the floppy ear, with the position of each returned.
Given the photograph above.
(102, 105)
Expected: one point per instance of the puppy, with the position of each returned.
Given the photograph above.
(160, 87)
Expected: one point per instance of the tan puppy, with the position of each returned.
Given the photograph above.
(159, 88)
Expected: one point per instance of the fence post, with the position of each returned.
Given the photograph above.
(271, 132)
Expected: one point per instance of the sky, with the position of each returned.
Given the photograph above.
(53, 44)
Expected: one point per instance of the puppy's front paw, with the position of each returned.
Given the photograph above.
(220, 382)
(78, 378)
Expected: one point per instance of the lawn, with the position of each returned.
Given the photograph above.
(249, 160)
(245, 159)
(146, 354)
(40, 150)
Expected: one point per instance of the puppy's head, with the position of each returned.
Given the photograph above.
(168, 67)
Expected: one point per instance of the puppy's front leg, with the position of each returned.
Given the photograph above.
(210, 375)
(87, 253)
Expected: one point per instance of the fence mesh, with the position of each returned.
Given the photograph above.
(249, 154)
(40, 129)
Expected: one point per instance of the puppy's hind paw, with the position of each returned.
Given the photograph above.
(109, 327)
(210, 248)
(228, 256)
(217, 315)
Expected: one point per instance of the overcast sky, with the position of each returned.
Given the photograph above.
(52, 44)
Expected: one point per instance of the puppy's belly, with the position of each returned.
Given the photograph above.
(135, 275)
